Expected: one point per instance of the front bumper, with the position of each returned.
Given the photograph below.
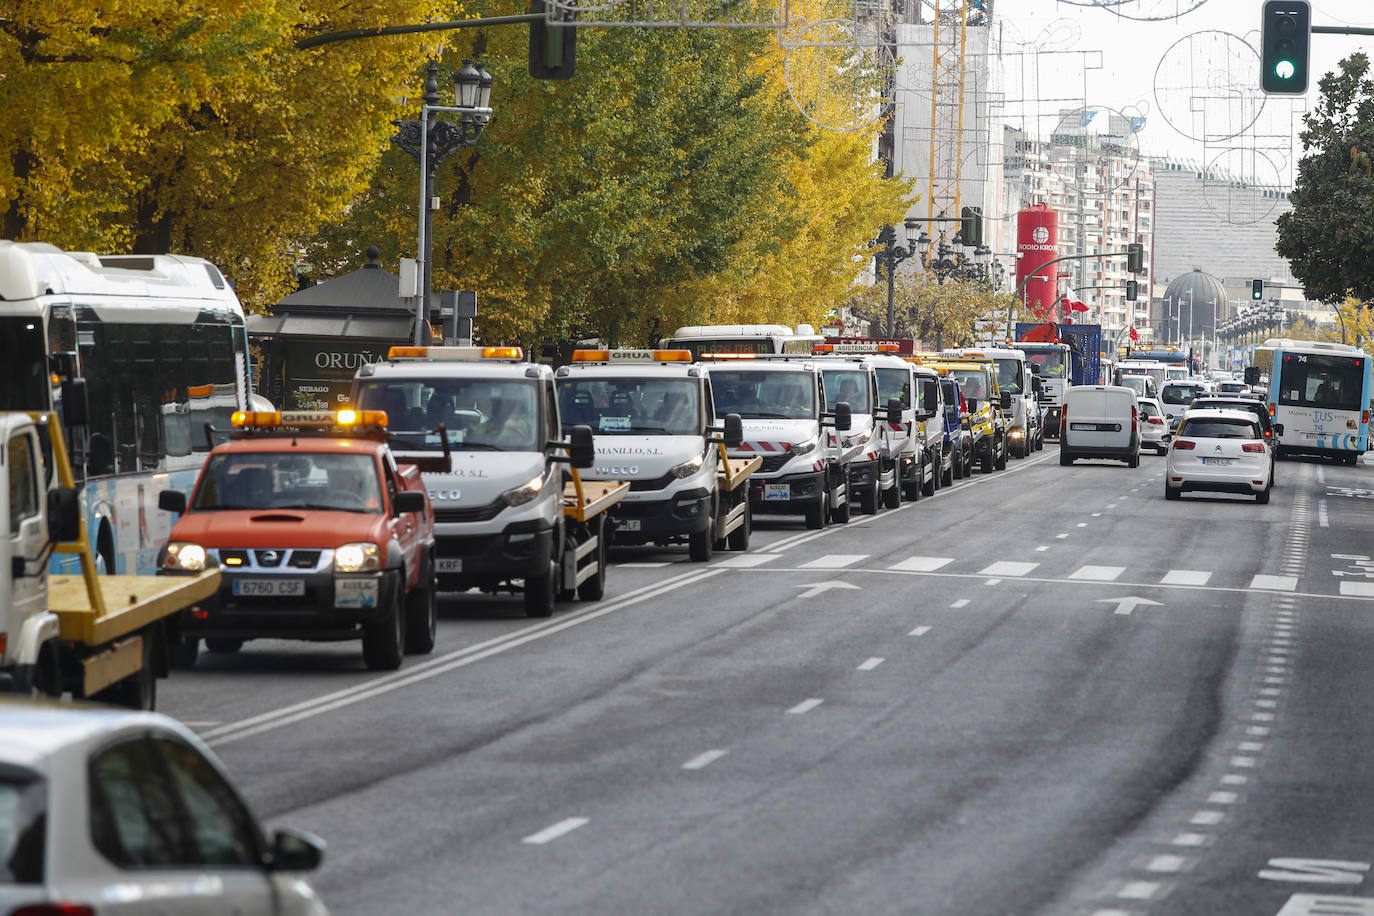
(487, 560)
(687, 512)
(788, 494)
(242, 608)
(863, 473)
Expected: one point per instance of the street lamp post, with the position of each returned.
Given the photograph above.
(431, 141)
(890, 257)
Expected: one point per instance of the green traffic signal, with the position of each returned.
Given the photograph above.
(1285, 36)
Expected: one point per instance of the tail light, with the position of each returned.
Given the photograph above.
(1135, 416)
(1364, 417)
(1184, 444)
(1273, 410)
(1155, 420)
(54, 909)
(1252, 447)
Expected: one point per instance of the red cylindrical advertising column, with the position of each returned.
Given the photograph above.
(1037, 241)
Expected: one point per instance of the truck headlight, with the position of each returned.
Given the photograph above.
(352, 558)
(857, 438)
(688, 468)
(804, 448)
(521, 495)
(184, 556)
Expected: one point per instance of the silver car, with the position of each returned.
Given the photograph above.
(108, 812)
(1154, 426)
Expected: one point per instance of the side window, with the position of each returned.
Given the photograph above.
(24, 477)
(221, 830)
(134, 819)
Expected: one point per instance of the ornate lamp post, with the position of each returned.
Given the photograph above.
(889, 258)
(431, 141)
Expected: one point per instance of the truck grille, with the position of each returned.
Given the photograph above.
(469, 513)
(774, 462)
(658, 483)
(269, 558)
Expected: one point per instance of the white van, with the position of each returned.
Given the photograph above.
(1100, 421)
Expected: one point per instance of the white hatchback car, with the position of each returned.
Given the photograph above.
(1154, 428)
(116, 813)
(1219, 450)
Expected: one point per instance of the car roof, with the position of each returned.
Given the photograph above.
(1209, 413)
(31, 732)
(760, 365)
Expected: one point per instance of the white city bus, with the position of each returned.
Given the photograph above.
(1320, 394)
(160, 343)
(743, 338)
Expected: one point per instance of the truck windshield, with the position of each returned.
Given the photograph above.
(289, 480)
(973, 383)
(849, 386)
(764, 395)
(23, 365)
(1009, 374)
(894, 383)
(623, 406)
(1051, 364)
(477, 414)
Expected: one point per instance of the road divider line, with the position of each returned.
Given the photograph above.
(919, 631)
(704, 760)
(562, 828)
(804, 707)
(870, 664)
(306, 709)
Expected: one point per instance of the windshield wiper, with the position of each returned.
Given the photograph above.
(768, 416)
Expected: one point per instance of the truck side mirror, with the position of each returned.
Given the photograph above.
(76, 409)
(1036, 385)
(734, 431)
(172, 501)
(1278, 429)
(1252, 375)
(582, 450)
(894, 410)
(64, 515)
(408, 501)
(844, 417)
(1006, 400)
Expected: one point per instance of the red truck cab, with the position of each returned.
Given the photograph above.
(318, 535)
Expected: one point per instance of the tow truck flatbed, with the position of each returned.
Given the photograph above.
(585, 499)
(734, 472)
(131, 602)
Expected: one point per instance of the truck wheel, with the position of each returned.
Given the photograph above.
(384, 641)
(739, 538)
(184, 652)
(948, 474)
(870, 498)
(44, 677)
(815, 513)
(422, 614)
(593, 588)
(892, 498)
(138, 690)
(841, 514)
(956, 465)
(540, 592)
(988, 458)
(1001, 463)
(701, 544)
(220, 645)
(929, 487)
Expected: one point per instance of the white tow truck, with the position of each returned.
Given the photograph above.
(653, 425)
(1052, 364)
(1025, 433)
(853, 380)
(102, 637)
(781, 403)
(507, 511)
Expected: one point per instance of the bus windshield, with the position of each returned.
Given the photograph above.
(1321, 380)
(764, 395)
(23, 365)
(847, 385)
(477, 414)
(622, 406)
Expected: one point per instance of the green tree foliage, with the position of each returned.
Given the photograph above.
(670, 182)
(155, 126)
(953, 314)
(1328, 236)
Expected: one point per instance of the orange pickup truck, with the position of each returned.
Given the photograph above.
(318, 535)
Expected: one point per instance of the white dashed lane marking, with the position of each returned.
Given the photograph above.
(1185, 577)
(834, 561)
(704, 760)
(748, 560)
(804, 706)
(549, 834)
(1097, 573)
(1007, 568)
(922, 564)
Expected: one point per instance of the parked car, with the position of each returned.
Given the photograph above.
(1103, 422)
(1154, 428)
(1222, 451)
(105, 812)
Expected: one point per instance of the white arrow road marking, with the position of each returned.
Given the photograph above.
(1128, 604)
(815, 588)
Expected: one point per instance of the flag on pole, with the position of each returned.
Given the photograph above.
(1134, 336)
(1071, 304)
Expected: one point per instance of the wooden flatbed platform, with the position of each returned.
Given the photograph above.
(584, 499)
(735, 471)
(131, 602)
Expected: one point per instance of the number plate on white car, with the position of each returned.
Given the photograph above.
(1219, 462)
(448, 565)
(269, 588)
(777, 491)
(355, 592)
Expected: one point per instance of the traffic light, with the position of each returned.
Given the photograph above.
(1257, 290)
(553, 48)
(971, 226)
(1131, 287)
(1285, 36)
(1135, 257)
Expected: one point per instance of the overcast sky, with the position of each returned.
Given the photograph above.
(1203, 104)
